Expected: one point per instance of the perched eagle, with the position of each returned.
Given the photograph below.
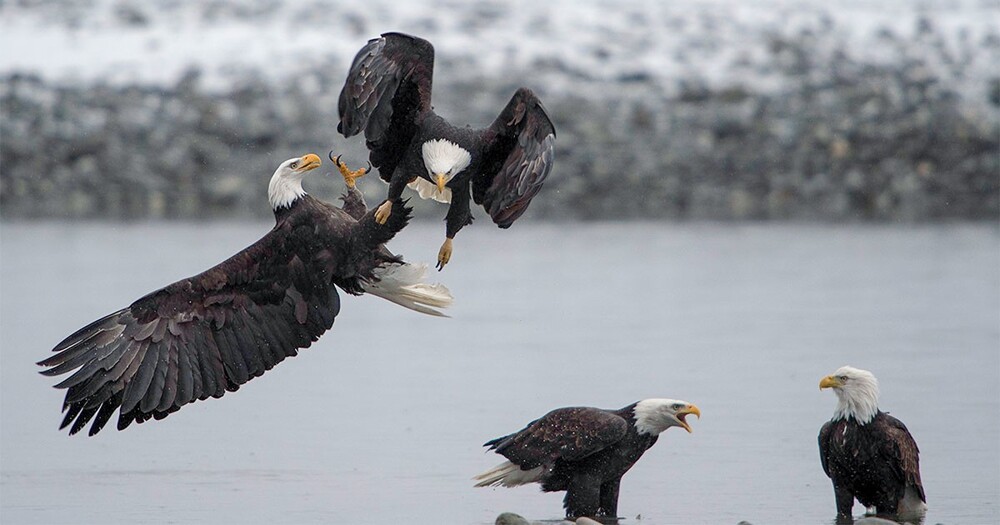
(208, 334)
(584, 451)
(868, 454)
(388, 96)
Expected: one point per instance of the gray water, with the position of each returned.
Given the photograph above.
(382, 420)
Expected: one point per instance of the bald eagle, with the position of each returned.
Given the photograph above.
(388, 96)
(866, 453)
(206, 335)
(584, 451)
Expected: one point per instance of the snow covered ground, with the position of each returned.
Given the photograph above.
(572, 44)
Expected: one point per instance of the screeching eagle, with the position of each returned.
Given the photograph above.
(388, 96)
(206, 335)
(868, 454)
(584, 451)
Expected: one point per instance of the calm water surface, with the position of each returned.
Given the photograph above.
(382, 420)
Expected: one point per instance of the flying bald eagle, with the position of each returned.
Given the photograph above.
(208, 334)
(388, 96)
(584, 451)
(868, 454)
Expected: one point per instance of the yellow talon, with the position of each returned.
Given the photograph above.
(350, 177)
(383, 211)
(444, 254)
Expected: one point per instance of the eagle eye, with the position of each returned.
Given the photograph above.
(294, 165)
(843, 378)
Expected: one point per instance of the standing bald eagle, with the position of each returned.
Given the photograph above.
(388, 96)
(208, 334)
(868, 454)
(584, 451)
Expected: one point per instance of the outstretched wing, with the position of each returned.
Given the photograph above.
(199, 337)
(518, 156)
(903, 449)
(569, 434)
(387, 88)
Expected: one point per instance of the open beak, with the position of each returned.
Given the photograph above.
(308, 162)
(440, 181)
(682, 413)
(828, 382)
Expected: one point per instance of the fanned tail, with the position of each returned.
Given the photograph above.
(403, 284)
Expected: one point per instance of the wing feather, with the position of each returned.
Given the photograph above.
(385, 65)
(199, 337)
(568, 434)
(903, 449)
(824, 446)
(517, 159)
(388, 87)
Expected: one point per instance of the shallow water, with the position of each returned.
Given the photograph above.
(382, 420)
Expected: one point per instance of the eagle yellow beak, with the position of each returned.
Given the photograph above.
(308, 162)
(829, 382)
(682, 413)
(440, 181)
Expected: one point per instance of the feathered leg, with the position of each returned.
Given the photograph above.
(582, 497)
(458, 217)
(609, 498)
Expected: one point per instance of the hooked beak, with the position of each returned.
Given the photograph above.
(684, 412)
(440, 181)
(309, 162)
(829, 382)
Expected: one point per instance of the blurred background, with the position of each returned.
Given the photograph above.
(771, 190)
(813, 110)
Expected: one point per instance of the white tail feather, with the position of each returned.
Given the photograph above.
(508, 474)
(402, 283)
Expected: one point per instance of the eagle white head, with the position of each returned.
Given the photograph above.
(443, 159)
(857, 393)
(286, 183)
(653, 416)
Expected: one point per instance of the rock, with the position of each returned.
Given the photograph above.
(509, 518)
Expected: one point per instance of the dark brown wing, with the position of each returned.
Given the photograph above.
(388, 87)
(901, 446)
(517, 157)
(824, 446)
(569, 434)
(202, 336)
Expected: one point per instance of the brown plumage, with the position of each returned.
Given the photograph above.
(208, 334)
(387, 95)
(584, 451)
(868, 454)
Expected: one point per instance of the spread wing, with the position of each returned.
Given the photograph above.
(518, 156)
(569, 434)
(903, 449)
(388, 87)
(199, 337)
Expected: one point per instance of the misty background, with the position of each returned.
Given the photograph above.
(866, 135)
(814, 110)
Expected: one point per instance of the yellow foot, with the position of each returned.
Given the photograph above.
(444, 254)
(383, 211)
(350, 176)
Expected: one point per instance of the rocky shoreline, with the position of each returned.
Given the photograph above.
(840, 139)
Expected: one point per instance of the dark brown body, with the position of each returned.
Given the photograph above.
(583, 451)
(875, 463)
(208, 334)
(387, 95)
